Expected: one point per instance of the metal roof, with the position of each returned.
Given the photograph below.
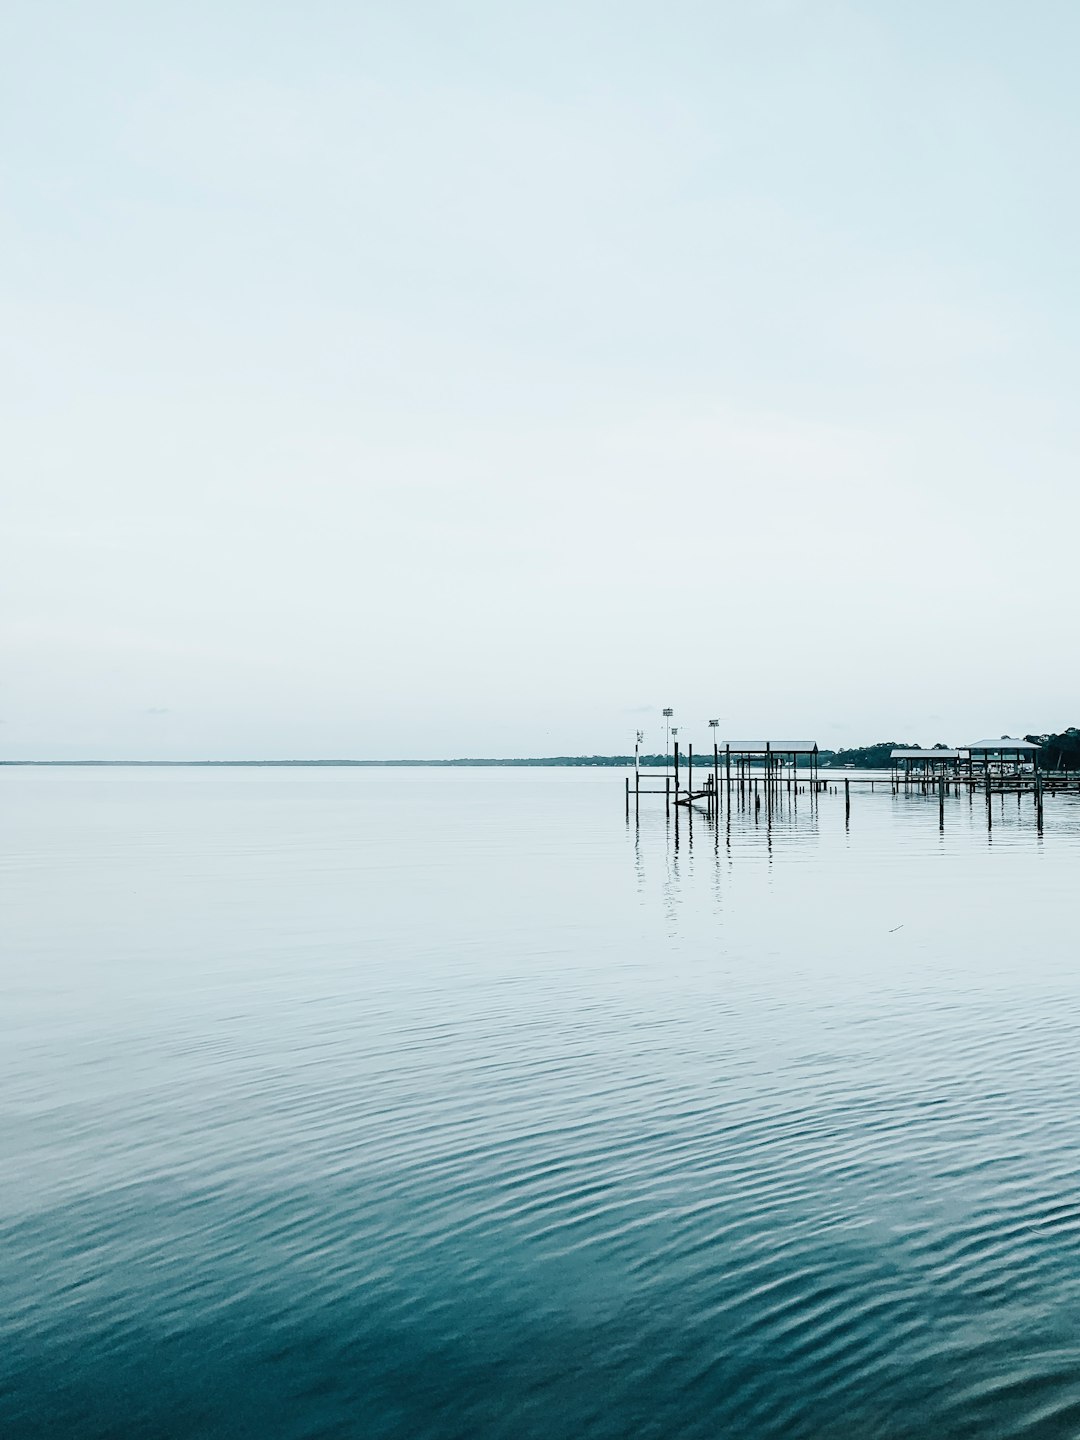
(762, 747)
(929, 754)
(1006, 744)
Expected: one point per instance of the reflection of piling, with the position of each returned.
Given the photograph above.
(941, 803)
(847, 801)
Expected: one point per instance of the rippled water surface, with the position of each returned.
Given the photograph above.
(337, 1103)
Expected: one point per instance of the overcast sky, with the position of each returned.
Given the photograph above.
(396, 379)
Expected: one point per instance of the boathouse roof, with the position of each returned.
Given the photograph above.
(1005, 744)
(764, 747)
(917, 754)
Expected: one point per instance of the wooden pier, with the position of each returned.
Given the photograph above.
(738, 767)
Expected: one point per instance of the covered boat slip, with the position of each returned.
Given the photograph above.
(919, 764)
(1006, 756)
(737, 762)
(998, 766)
(734, 765)
(1001, 758)
(772, 761)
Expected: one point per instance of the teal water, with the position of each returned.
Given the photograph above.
(412, 1105)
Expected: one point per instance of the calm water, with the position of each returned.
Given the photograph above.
(347, 1104)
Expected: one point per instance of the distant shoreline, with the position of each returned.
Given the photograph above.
(611, 761)
(1057, 751)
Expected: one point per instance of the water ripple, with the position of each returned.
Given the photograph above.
(327, 1112)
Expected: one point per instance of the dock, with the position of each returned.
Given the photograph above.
(757, 772)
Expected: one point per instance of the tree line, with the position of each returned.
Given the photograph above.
(1056, 752)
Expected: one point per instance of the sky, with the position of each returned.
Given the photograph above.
(454, 379)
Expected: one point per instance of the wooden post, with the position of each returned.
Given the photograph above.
(847, 799)
(628, 797)
(689, 772)
(716, 775)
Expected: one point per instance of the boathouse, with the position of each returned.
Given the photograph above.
(1004, 756)
(915, 763)
(777, 758)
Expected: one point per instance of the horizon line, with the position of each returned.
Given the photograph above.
(451, 760)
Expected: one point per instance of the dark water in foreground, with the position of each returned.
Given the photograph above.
(339, 1104)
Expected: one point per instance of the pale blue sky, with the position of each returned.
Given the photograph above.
(442, 379)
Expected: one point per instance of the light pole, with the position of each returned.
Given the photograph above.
(714, 726)
(668, 713)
